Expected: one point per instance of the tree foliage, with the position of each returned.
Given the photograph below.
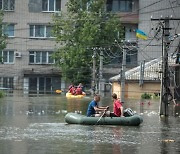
(85, 25)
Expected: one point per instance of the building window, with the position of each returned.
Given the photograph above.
(41, 31)
(8, 30)
(7, 5)
(130, 33)
(6, 82)
(7, 57)
(40, 85)
(131, 57)
(125, 5)
(41, 57)
(51, 5)
(119, 5)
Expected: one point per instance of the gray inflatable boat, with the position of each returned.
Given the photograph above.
(74, 118)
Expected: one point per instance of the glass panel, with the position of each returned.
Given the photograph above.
(5, 82)
(11, 4)
(0, 4)
(11, 30)
(1, 57)
(131, 57)
(5, 56)
(122, 6)
(39, 31)
(31, 30)
(10, 83)
(48, 31)
(32, 85)
(8, 4)
(41, 85)
(109, 5)
(129, 6)
(38, 57)
(0, 82)
(5, 5)
(48, 84)
(45, 5)
(51, 5)
(31, 57)
(50, 59)
(11, 56)
(125, 6)
(58, 5)
(44, 57)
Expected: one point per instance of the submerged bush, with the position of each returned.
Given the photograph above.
(1, 94)
(146, 96)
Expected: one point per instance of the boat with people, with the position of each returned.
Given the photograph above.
(69, 95)
(75, 92)
(74, 118)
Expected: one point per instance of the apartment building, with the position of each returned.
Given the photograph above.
(128, 12)
(26, 62)
(152, 48)
(154, 9)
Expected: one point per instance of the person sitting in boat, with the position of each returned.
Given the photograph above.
(93, 108)
(78, 90)
(81, 85)
(72, 89)
(117, 107)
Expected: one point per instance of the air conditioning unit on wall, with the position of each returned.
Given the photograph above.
(18, 55)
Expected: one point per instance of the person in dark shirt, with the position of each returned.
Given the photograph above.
(94, 110)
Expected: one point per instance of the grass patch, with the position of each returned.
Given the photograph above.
(2, 94)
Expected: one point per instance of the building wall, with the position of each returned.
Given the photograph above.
(116, 88)
(151, 48)
(27, 12)
(177, 83)
(133, 90)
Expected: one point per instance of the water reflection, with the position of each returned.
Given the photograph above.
(31, 125)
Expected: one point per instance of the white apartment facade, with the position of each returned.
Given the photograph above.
(26, 62)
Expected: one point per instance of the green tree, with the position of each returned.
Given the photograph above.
(86, 24)
(2, 36)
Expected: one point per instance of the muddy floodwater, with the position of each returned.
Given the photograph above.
(35, 125)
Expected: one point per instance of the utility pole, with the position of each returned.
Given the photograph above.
(123, 70)
(94, 72)
(142, 67)
(165, 92)
(165, 81)
(101, 85)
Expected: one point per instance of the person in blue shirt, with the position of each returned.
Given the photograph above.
(93, 109)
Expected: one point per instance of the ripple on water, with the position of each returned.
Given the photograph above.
(61, 131)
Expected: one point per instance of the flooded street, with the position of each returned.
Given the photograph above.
(35, 125)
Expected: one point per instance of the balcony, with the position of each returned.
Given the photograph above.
(127, 10)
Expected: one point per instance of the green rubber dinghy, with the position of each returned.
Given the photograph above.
(74, 118)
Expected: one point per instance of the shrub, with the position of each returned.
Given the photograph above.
(146, 96)
(1, 94)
